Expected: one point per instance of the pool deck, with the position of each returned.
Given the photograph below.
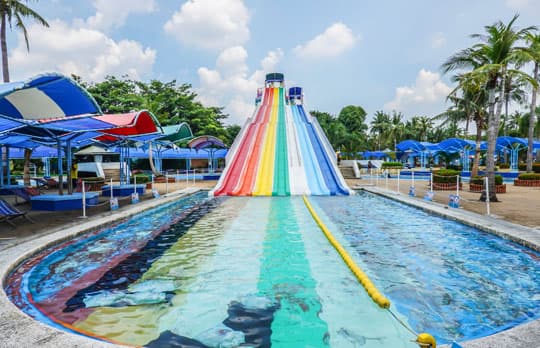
(19, 330)
(522, 336)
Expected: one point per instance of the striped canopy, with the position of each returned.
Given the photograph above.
(45, 96)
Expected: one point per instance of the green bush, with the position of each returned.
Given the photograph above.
(457, 167)
(386, 165)
(141, 179)
(504, 165)
(479, 180)
(535, 167)
(445, 176)
(529, 176)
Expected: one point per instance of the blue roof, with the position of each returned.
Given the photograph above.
(45, 96)
(453, 145)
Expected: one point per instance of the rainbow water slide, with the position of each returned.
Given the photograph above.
(247, 178)
(311, 167)
(248, 137)
(265, 173)
(329, 170)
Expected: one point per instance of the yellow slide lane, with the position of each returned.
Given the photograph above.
(265, 174)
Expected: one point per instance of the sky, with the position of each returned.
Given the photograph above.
(378, 54)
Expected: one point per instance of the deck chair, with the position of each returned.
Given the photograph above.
(8, 213)
(26, 193)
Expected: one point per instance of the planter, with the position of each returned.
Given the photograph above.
(446, 186)
(161, 179)
(480, 188)
(530, 183)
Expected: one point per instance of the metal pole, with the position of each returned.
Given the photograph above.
(386, 184)
(152, 182)
(398, 182)
(187, 177)
(110, 186)
(457, 186)
(377, 178)
(487, 195)
(166, 183)
(83, 199)
(134, 184)
(412, 179)
(371, 176)
(431, 183)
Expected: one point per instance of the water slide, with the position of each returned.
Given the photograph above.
(329, 169)
(232, 173)
(314, 177)
(297, 175)
(247, 179)
(280, 151)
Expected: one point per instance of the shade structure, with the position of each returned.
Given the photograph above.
(45, 96)
(205, 141)
(133, 124)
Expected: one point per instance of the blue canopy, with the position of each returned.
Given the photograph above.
(178, 153)
(453, 145)
(45, 96)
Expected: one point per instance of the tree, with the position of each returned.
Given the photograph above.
(532, 55)
(15, 10)
(353, 118)
(379, 126)
(492, 58)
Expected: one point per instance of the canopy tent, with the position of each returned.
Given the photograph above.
(462, 146)
(210, 144)
(423, 149)
(374, 154)
(173, 134)
(27, 107)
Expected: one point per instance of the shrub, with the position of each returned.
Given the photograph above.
(479, 180)
(141, 179)
(529, 176)
(535, 167)
(457, 167)
(504, 165)
(386, 165)
(445, 176)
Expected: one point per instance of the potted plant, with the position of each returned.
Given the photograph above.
(446, 179)
(528, 179)
(477, 184)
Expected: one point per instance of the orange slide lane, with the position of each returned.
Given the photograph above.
(239, 160)
(247, 180)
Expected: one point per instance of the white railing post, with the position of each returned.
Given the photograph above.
(457, 186)
(431, 183)
(187, 178)
(166, 183)
(152, 182)
(398, 182)
(377, 178)
(371, 176)
(134, 184)
(110, 186)
(386, 184)
(83, 200)
(412, 178)
(487, 195)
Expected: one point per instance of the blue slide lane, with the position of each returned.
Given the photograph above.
(330, 176)
(309, 161)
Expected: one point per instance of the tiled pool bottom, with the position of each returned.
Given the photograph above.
(314, 306)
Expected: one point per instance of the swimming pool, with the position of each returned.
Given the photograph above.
(259, 270)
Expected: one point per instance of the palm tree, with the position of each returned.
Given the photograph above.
(13, 10)
(496, 53)
(532, 55)
(380, 125)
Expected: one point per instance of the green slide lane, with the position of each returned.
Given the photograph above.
(285, 275)
(281, 168)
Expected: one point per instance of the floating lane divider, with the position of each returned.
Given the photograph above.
(423, 339)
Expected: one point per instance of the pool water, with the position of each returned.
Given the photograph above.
(207, 272)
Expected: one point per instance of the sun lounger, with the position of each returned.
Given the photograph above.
(25, 193)
(8, 213)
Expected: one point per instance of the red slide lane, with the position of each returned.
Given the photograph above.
(239, 160)
(247, 180)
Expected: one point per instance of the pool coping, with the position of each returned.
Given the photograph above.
(20, 330)
(522, 336)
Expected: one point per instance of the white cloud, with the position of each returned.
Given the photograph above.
(230, 84)
(210, 24)
(86, 52)
(113, 14)
(425, 97)
(438, 40)
(517, 4)
(335, 40)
